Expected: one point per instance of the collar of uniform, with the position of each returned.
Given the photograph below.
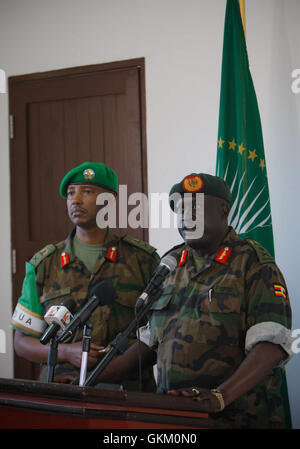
(230, 237)
(194, 263)
(110, 238)
(227, 244)
(69, 245)
(198, 263)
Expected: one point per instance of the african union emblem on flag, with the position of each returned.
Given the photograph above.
(240, 155)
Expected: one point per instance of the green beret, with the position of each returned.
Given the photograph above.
(202, 183)
(95, 173)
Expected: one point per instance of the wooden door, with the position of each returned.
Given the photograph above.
(58, 120)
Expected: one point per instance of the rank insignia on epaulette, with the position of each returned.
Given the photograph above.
(279, 291)
(64, 259)
(112, 254)
(223, 254)
(183, 258)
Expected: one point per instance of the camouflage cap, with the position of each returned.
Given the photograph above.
(95, 173)
(202, 183)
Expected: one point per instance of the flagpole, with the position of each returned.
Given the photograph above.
(243, 14)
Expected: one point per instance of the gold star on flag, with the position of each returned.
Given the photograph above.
(220, 142)
(241, 148)
(252, 155)
(262, 164)
(232, 145)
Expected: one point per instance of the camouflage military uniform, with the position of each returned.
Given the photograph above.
(59, 275)
(211, 312)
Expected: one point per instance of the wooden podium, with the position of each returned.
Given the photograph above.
(28, 404)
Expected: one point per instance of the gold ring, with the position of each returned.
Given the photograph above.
(195, 390)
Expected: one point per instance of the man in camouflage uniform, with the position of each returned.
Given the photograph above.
(220, 328)
(58, 272)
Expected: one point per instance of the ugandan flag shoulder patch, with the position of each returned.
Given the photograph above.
(279, 290)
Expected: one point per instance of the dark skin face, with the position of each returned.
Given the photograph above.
(215, 225)
(82, 211)
(81, 204)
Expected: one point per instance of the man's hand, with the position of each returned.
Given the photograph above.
(208, 402)
(72, 354)
(30, 348)
(258, 363)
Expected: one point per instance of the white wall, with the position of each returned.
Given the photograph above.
(182, 43)
(273, 40)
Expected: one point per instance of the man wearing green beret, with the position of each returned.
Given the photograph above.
(69, 269)
(221, 328)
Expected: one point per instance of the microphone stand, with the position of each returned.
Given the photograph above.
(52, 359)
(120, 343)
(86, 343)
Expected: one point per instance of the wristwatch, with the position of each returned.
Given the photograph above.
(220, 398)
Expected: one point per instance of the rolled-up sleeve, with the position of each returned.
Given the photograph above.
(272, 332)
(268, 308)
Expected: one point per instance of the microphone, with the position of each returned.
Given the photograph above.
(166, 266)
(57, 317)
(101, 294)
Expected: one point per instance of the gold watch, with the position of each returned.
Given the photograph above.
(220, 398)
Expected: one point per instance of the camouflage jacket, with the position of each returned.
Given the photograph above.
(200, 322)
(57, 275)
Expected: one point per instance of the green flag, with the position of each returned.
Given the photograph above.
(240, 149)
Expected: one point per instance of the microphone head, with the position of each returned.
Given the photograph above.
(104, 291)
(169, 261)
(57, 317)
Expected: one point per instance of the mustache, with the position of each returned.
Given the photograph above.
(77, 209)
